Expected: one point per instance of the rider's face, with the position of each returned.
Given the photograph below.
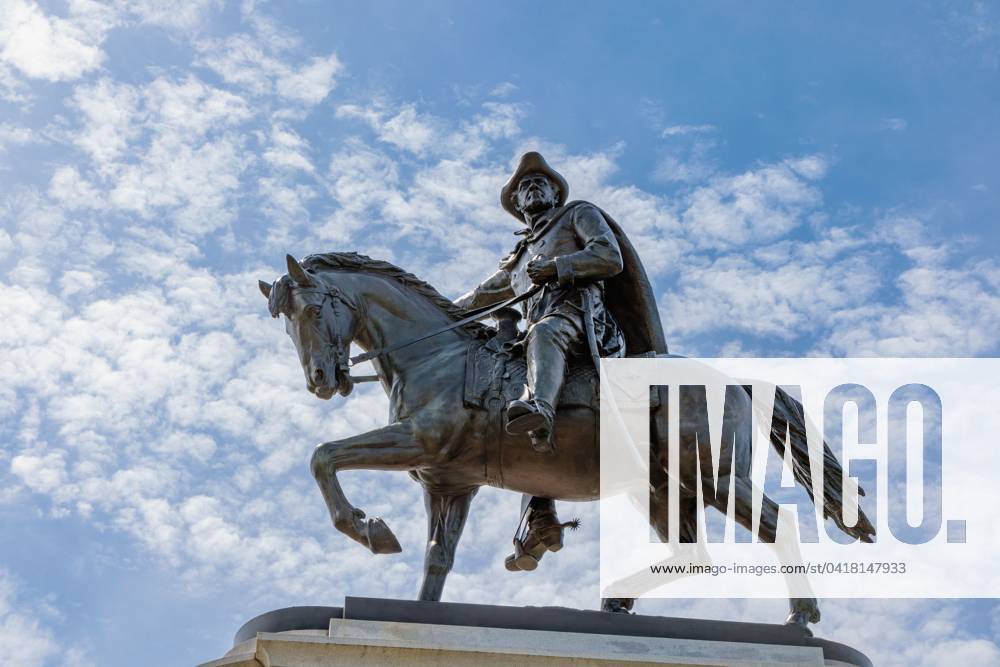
(535, 193)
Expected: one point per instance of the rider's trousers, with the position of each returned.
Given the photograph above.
(549, 341)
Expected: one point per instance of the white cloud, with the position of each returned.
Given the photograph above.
(108, 112)
(6, 243)
(893, 124)
(26, 634)
(288, 150)
(257, 66)
(405, 129)
(690, 165)
(942, 312)
(425, 135)
(975, 26)
(181, 14)
(189, 106)
(311, 83)
(179, 148)
(198, 182)
(43, 474)
(12, 87)
(906, 633)
(169, 145)
(241, 60)
(783, 300)
(756, 206)
(11, 135)
(138, 391)
(504, 89)
(675, 130)
(287, 206)
(499, 122)
(72, 191)
(963, 652)
(50, 47)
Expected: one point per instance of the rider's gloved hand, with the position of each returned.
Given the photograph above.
(541, 270)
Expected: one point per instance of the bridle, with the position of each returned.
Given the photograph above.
(335, 340)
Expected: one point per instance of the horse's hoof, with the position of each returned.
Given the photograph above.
(803, 612)
(617, 605)
(801, 620)
(381, 540)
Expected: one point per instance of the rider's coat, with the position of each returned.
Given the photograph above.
(586, 252)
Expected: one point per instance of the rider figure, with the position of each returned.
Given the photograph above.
(591, 282)
(568, 250)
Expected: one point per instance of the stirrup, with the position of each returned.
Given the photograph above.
(523, 417)
(526, 423)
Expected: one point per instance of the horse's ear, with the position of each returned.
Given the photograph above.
(265, 288)
(297, 273)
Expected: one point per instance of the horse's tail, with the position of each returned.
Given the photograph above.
(789, 417)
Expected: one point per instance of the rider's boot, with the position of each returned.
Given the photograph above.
(545, 533)
(534, 412)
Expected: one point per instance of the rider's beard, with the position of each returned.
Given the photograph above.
(536, 202)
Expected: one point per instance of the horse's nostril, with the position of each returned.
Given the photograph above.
(318, 375)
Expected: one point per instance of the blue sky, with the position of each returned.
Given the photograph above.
(807, 179)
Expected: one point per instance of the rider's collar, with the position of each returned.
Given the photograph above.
(540, 225)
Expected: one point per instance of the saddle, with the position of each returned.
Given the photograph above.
(496, 373)
(497, 369)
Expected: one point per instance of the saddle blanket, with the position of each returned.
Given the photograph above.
(490, 373)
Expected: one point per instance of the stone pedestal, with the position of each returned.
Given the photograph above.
(370, 631)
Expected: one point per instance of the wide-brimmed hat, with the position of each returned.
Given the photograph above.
(531, 163)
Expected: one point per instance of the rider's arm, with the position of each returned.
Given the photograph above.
(600, 256)
(494, 289)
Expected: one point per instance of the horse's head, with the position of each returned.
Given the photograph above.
(321, 322)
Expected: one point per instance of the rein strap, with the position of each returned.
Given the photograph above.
(474, 315)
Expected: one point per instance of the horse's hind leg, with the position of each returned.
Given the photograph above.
(391, 447)
(446, 515)
(659, 519)
(804, 610)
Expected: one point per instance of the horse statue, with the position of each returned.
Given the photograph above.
(451, 445)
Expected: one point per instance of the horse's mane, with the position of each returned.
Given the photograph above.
(352, 261)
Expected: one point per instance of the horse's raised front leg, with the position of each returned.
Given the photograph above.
(446, 515)
(391, 447)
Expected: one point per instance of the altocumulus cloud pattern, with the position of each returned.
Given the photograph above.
(157, 158)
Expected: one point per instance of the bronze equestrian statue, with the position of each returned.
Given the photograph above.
(468, 408)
